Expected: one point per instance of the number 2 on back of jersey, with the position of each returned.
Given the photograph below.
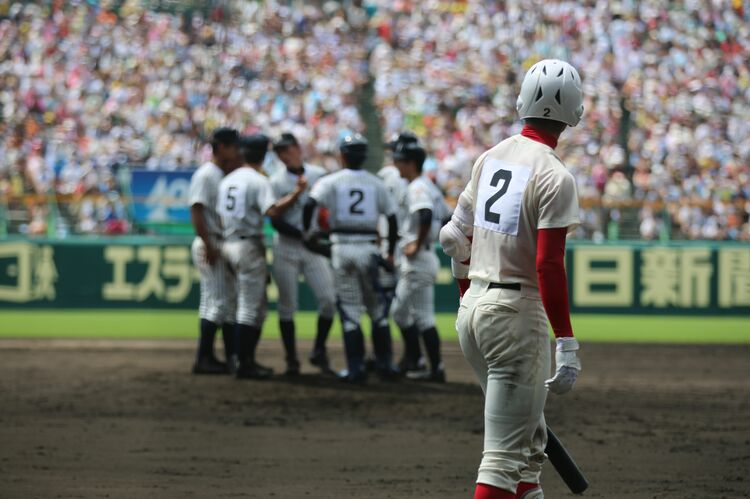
(356, 203)
(500, 196)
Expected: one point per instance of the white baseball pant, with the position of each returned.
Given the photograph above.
(247, 260)
(289, 261)
(414, 304)
(503, 335)
(217, 288)
(355, 272)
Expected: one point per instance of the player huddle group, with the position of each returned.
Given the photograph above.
(364, 244)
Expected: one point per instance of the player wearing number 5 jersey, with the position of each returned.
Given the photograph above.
(245, 198)
(355, 200)
(509, 232)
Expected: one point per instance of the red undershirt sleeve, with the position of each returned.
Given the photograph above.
(553, 283)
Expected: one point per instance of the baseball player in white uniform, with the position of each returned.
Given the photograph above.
(397, 187)
(355, 199)
(291, 258)
(414, 306)
(508, 233)
(215, 290)
(245, 198)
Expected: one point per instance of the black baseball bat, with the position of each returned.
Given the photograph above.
(564, 464)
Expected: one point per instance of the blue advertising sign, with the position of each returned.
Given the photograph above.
(160, 196)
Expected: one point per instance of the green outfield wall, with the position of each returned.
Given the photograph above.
(144, 272)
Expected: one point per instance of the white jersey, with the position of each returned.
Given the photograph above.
(283, 182)
(396, 186)
(423, 194)
(516, 188)
(244, 197)
(204, 188)
(355, 199)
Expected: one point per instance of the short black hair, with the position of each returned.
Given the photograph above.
(224, 136)
(254, 148)
(410, 151)
(285, 140)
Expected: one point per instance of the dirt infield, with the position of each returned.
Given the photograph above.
(125, 420)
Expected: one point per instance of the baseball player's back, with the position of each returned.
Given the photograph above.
(512, 220)
(516, 188)
(355, 200)
(244, 198)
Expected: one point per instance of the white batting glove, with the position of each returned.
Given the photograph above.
(567, 366)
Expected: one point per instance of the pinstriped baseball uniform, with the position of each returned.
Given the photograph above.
(516, 188)
(415, 304)
(244, 197)
(291, 258)
(216, 290)
(355, 200)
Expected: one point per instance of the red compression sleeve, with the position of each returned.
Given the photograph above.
(553, 283)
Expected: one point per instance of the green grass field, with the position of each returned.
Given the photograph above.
(161, 324)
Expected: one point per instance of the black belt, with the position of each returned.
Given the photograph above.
(515, 286)
(355, 232)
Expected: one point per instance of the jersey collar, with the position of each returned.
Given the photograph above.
(538, 135)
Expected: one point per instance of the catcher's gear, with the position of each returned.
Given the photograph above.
(551, 90)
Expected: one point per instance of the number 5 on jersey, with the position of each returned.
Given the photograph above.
(232, 200)
(500, 196)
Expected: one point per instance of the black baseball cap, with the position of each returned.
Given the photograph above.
(409, 151)
(403, 137)
(285, 140)
(226, 136)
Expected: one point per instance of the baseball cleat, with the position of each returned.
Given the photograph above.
(320, 360)
(436, 376)
(253, 370)
(210, 365)
(359, 378)
(407, 365)
(292, 369)
(389, 373)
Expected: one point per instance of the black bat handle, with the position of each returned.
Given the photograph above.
(564, 464)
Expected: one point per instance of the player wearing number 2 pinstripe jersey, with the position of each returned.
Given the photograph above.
(355, 200)
(216, 293)
(291, 258)
(511, 220)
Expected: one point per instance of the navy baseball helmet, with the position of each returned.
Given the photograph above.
(353, 148)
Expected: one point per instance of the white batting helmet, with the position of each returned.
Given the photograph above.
(551, 90)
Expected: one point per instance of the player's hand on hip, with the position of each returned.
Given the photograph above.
(567, 366)
(411, 249)
(212, 254)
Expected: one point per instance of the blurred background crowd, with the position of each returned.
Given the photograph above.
(90, 88)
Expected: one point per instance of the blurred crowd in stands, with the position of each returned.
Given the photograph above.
(664, 144)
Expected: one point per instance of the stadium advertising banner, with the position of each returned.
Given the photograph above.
(160, 196)
(695, 278)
